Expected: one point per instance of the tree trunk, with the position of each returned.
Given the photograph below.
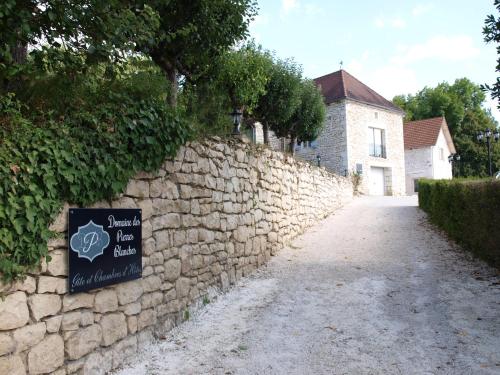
(20, 53)
(293, 140)
(174, 86)
(265, 130)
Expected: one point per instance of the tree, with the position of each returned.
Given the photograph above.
(193, 34)
(461, 104)
(73, 36)
(236, 80)
(282, 97)
(307, 121)
(491, 32)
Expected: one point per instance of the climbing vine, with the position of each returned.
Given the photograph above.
(82, 158)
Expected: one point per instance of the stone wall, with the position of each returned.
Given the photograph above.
(212, 215)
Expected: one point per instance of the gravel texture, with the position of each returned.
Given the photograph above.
(373, 289)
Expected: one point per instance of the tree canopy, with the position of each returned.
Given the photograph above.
(282, 95)
(491, 32)
(461, 103)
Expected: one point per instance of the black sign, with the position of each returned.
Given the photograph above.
(104, 247)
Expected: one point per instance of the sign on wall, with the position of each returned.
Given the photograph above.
(105, 247)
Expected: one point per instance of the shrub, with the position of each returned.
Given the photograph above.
(468, 210)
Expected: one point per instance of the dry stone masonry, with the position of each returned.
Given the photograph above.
(212, 215)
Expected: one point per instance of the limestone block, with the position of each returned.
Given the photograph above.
(60, 224)
(83, 341)
(156, 259)
(105, 301)
(146, 318)
(7, 344)
(98, 363)
(114, 328)
(132, 324)
(124, 202)
(162, 239)
(53, 323)
(206, 236)
(179, 238)
(148, 247)
(151, 283)
(166, 221)
(42, 305)
(146, 207)
(147, 229)
(28, 336)
(58, 266)
(77, 301)
(137, 189)
(151, 300)
(241, 234)
(71, 321)
(182, 286)
(169, 190)
(87, 318)
(123, 350)
(12, 365)
(172, 269)
(46, 356)
(28, 285)
(14, 311)
(133, 308)
(49, 284)
(129, 292)
(155, 188)
(272, 237)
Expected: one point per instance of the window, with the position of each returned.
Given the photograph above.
(376, 142)
(415, 185)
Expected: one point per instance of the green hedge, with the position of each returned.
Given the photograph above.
(468, 210)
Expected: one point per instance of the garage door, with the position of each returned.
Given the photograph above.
(376, 181)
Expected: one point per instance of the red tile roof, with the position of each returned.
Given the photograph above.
(341, 85)
(424, 133)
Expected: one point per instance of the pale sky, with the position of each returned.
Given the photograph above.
(395, 47)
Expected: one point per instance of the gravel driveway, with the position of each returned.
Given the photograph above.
(373, 289)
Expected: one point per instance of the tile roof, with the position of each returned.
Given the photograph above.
(424, 133)
(341, 85)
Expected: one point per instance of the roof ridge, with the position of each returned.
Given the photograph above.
(342, 71)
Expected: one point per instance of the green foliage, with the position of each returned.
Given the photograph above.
(193, 34)
(491, 32)
(307, 121)
(468, 210)
(461, 104)
(82, 156)
(243, 75)
(282, 95)
(75, 35)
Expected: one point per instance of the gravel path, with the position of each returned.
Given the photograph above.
(373, 289)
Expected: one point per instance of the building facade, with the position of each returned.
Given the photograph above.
(363, 134)
(428, 144)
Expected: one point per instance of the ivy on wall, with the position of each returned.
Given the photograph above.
(81, 158)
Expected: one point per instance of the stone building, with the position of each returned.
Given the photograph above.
(428, 144)
(363, 134)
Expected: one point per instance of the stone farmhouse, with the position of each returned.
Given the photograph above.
(428, 144)
(363, 134)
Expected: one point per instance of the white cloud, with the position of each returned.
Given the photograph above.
(259, 20)
(398, 23)
(421, 9)
(379, 22)
(394, 22)
(312, 9)
(388, 81)
(454, 48)
(288, 5)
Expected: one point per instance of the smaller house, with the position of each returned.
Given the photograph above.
(428, 144)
